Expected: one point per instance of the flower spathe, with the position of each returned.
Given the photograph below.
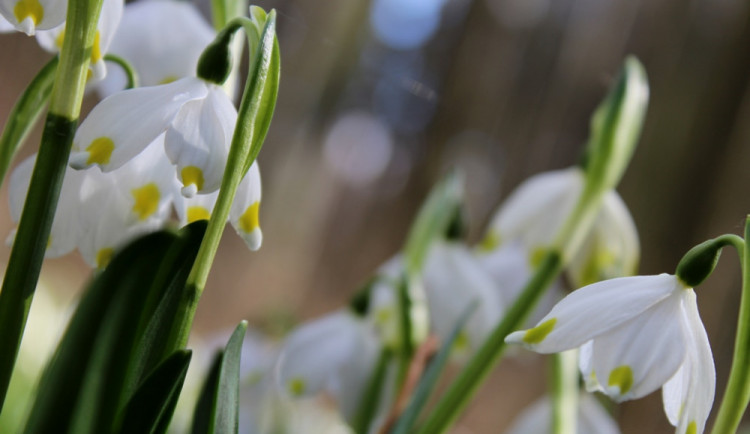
(636, 334)
(196, 115)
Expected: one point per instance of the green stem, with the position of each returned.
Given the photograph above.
(370, 399)
(24, 114)
(466, 384)
(127, 68)
(565, 392)
(245, 146)
(41, 201)
(737, 393)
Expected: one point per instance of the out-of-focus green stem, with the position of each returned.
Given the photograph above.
(565, 392)
(41, 201)
(737, 394)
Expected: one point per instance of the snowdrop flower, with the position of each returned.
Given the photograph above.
(244, 214)
(99, 211)
(28, 16)
(636, 334)
(534, 213)
(592, 418)
(162, 40)
(52, 40)
(198, 118)
(333, 356)
(453, 280)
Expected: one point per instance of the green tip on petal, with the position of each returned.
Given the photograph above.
(297, 386)
(622, 378)
(538, 333)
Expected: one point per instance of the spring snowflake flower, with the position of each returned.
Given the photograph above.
(198, 118)
(162, 40)
(333, 356)
(535, 211)
(28, 16)
(636, 334)
(592, 418)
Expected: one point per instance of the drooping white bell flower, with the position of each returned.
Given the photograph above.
(111, 13)
(198, 118)
(535, 211)
(332, 356)
(28, 16)
(98, 212)
(243, 215)
(453, 280)
(592, 418)
(636, 334)
(161, 39)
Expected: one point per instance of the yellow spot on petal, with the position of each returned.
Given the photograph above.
(621, 377)
(100, 150)
(60, 39)
(462, 343)
(598, 267)
(692, 428)
(192, 175)
(146, 200)
(490, 242)
(297, 386)
(103, 257)
(96, 49)
(538, 333)
(249, 219)
(195, 213)
(168, 79)
(29, 8)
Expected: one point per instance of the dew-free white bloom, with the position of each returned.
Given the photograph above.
(334, 356)
(198, 118)
(161, 39)
(592, 418)
(28, 16)
(536, 210)
(636, 334)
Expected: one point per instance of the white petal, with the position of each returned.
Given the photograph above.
(592, 418)
(121, 126)
(689, 395)
(536, 209)
(594, 310)
(198, 207)
(199, 138)
(611, 249)
(454, 280)
(34, 15)
(335, 354)
(244, 212)
(162, 39)
(639, 356)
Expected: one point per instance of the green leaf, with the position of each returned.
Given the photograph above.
(371, 397)
(150, 408)
(433, 220)
(217, 409)
(430, 378)
(24, 114)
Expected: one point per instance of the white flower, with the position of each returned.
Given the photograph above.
(636, 334)
(98, 212)
(52, 40)
(162, 40)
(198, 118)
(332, 356)
(28, 16)
(592, 418)
(536, 210)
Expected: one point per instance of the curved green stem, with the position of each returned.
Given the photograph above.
(25, 113)
(737, 394)
(253, 119)
(41, 201)
(127, 68)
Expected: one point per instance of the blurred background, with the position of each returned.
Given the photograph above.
(379, 98)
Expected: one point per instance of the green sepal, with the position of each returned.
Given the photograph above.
(150, 408)
(700, 261)
(217, 409)
(25, 113)
(427, 383)
(616, 126)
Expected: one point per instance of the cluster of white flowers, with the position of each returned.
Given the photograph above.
(158, 149)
